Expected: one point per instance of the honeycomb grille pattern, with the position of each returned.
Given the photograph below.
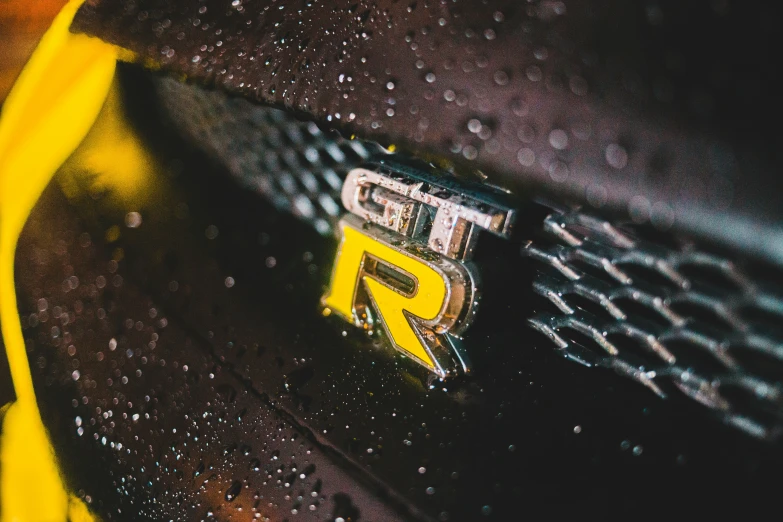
(682, 322)
(291, 163)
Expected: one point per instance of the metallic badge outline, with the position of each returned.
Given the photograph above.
(402, 261)
(420, 323)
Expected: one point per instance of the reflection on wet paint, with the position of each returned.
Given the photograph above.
(47, 114)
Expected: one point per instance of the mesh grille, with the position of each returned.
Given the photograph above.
(682, 322)
(293, 164)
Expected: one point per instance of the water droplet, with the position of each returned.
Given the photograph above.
(639, 209)
(501, 77)
(637, 450)
(133, 220)
(526, 157)
(233, 491)
(578, 85)
(661, 216)
(526, 133)
(534, 73)
(616, 156)
(558, 171)
(519, 107)
(681, 459)
(596, 195)
(470, 152)
(558, 139)
(582, 130)
(211, 232)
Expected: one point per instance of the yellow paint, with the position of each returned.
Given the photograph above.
(112, 159)
(426, 303)
(47, 114)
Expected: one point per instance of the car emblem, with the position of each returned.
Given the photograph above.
(403, 262)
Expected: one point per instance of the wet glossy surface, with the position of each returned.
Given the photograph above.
(664, 111)
(117, 304)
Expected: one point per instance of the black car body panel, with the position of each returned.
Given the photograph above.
(666, 112)
(220, 281)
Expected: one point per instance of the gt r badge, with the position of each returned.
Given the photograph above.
(403, 260)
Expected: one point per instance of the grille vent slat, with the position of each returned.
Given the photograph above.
(699, 323)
